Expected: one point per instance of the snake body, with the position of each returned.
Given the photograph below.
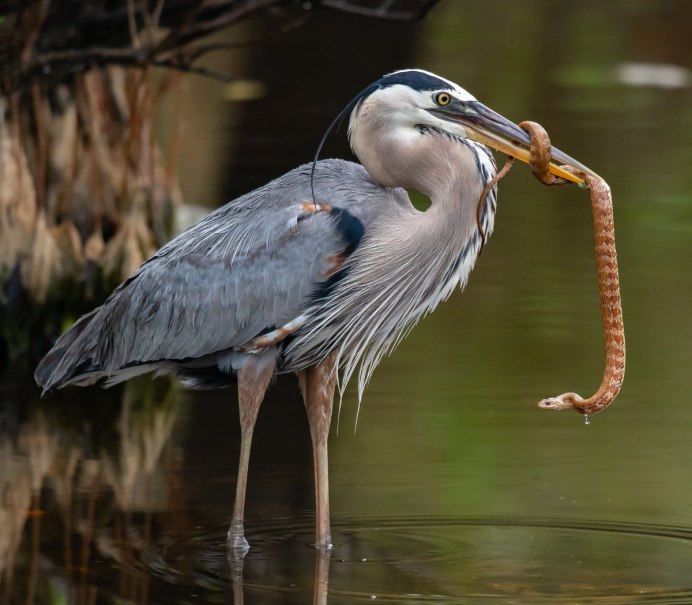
(611, 308)
(608, 280)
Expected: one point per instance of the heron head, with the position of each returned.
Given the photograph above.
(405, 105)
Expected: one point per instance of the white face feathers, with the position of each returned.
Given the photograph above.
(402, 108)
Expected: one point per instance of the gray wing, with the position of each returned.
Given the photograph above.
(248, 268)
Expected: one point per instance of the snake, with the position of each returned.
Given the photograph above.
(607, 271)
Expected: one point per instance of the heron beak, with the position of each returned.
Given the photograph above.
(484, 125)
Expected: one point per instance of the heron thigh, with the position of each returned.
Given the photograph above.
(253, 380)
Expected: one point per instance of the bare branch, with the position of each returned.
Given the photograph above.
(381, 12)
(38, 46)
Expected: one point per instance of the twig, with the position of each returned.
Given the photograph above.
(34, 29)
(382, 12)
(132, 24)
(216, 74)
(65, 63)
(237, 12)
(193, 53)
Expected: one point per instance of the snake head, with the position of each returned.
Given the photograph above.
(566, 401)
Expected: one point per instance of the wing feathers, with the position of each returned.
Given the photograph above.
(251, 265)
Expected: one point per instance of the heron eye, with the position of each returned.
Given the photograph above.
(442, 98)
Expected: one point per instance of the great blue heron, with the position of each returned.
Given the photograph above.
(278, 282)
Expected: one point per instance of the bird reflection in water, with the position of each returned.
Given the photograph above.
(98, 472)
(91, 503)
(236, 561)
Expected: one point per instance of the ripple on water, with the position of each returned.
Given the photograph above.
(453, 560)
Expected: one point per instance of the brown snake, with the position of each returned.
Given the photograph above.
(608, 281)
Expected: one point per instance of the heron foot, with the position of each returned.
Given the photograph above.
(324, 542)
(236, 539)
(325, 548)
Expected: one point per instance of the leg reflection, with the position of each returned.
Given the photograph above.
(322, 560)
(236, 561)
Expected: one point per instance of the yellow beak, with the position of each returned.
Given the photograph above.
(488, 127)
(496, 142)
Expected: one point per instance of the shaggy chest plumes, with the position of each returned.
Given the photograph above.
(406, 264)
(408, 261)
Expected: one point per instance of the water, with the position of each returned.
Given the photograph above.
(455, 488)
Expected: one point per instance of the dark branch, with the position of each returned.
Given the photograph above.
(383, 11)
(38, 42)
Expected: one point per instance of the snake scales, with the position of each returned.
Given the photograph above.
(608, 280)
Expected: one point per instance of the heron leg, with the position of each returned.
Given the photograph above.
(317, 386)
(253, 380)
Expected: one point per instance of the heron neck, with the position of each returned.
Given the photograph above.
(450, 171)
(454, 193)
(454, 199)
(438, 165)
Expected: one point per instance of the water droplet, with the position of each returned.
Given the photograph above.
(587, 420)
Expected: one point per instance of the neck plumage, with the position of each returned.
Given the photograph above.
(408, 261)
(414, 260)
(451, 171)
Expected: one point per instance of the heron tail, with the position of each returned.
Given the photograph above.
(70, 357)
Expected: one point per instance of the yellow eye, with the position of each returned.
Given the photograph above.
(442, 98)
